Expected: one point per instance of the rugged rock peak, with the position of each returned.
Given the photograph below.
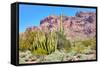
(80, 25)
(84, 14)
(53, 16)
(80, 16)
(48, 19)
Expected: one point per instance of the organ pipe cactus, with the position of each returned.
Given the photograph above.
(51, 42)
(44, 43)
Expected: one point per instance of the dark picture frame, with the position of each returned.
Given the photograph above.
(15, 32)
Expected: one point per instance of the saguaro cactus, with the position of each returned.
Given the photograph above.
(62, 42)
(61, 23)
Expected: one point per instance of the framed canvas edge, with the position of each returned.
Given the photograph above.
(46, 4)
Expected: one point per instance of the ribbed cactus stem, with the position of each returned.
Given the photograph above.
(61, 23)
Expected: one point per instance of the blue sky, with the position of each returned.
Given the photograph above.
(30, 15)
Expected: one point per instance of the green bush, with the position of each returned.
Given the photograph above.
(23, 44)
(62, 42)
(82, 45)
(79, 47)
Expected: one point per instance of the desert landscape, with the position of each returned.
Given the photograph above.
(59, 38)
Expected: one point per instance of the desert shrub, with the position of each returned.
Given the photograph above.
(93, 43)
(54, 57)
(86, 43)
(26, 41)
(90, 43)
(39, 51)
(62, 42)
(84, 46)
(79, 47)
(23, 44)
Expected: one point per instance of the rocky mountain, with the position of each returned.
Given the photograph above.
(82, 25)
